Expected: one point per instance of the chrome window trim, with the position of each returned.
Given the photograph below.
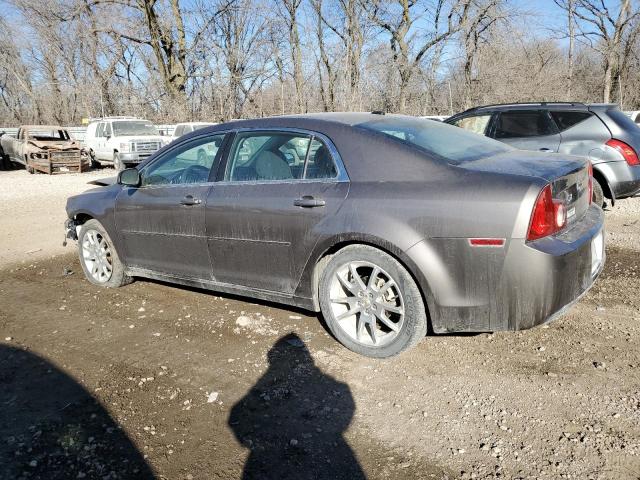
(333, 151)
(335, 155)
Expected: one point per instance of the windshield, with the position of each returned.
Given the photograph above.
(452, 143)
(129, 127)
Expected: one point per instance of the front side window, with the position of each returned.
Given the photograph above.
(186, 164)
(525, 123)
(475, 124)
(100, 130)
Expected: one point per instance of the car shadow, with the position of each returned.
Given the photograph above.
(293, 419)
(52, 428)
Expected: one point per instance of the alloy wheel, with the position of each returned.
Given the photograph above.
(367, 303)
(96, 256)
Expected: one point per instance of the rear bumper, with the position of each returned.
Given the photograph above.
(514, 287)
(545, 277)
(623, 178)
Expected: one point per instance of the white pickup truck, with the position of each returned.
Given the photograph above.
(122, 141)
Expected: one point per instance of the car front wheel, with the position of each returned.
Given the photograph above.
(371, 303)
(98, 257)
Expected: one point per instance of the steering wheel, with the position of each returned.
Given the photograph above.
(194, 174)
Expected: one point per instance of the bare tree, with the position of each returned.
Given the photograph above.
(608, 33)
(397, 18)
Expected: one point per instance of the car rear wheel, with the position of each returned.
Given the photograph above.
(598, 194)
(98, 257)
(371, 303)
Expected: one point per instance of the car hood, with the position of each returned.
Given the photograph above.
(548, 166)
(104, 182)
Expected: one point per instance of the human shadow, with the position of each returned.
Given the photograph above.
(292, 420)
(52, 428)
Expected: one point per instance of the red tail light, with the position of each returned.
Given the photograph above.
(549, 216)
(625, 150)
(590, 173)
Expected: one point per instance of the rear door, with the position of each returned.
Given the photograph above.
(263, 218)
(162, 222)
(527, 130)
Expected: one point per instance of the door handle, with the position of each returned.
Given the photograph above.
(309, 202)
(545, 149)
(188, 200)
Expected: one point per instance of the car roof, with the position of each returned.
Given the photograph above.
(364, 153)
(593, 107)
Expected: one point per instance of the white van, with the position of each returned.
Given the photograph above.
(188, 127)
(122, 141)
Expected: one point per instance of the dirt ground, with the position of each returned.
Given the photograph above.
(157, 381)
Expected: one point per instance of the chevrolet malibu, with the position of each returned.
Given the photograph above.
(388, 225)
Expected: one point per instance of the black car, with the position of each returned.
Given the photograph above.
(383, 223)
(599, 132)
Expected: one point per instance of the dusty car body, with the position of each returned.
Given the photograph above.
(385, 224)
(45, 148)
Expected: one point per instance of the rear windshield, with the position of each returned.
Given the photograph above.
(622, 120)
(133, 128)
(452, 143)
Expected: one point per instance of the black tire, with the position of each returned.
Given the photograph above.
(94, 163)
(5, 164)
(598, 194)
(412, 329)
(117, 163)
(118, 277)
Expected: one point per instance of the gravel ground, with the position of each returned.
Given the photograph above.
(32, 211)
(155, 381)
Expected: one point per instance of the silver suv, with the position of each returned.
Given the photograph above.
(600, 132)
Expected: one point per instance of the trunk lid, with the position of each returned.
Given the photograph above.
(568, 176)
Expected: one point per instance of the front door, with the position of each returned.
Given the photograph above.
(162, 222)
(527, 130)
(264, 218)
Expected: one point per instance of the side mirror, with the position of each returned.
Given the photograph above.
(129, 177)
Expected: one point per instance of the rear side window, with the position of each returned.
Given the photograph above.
(475, 124)
(529, 123)
(567, 119)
